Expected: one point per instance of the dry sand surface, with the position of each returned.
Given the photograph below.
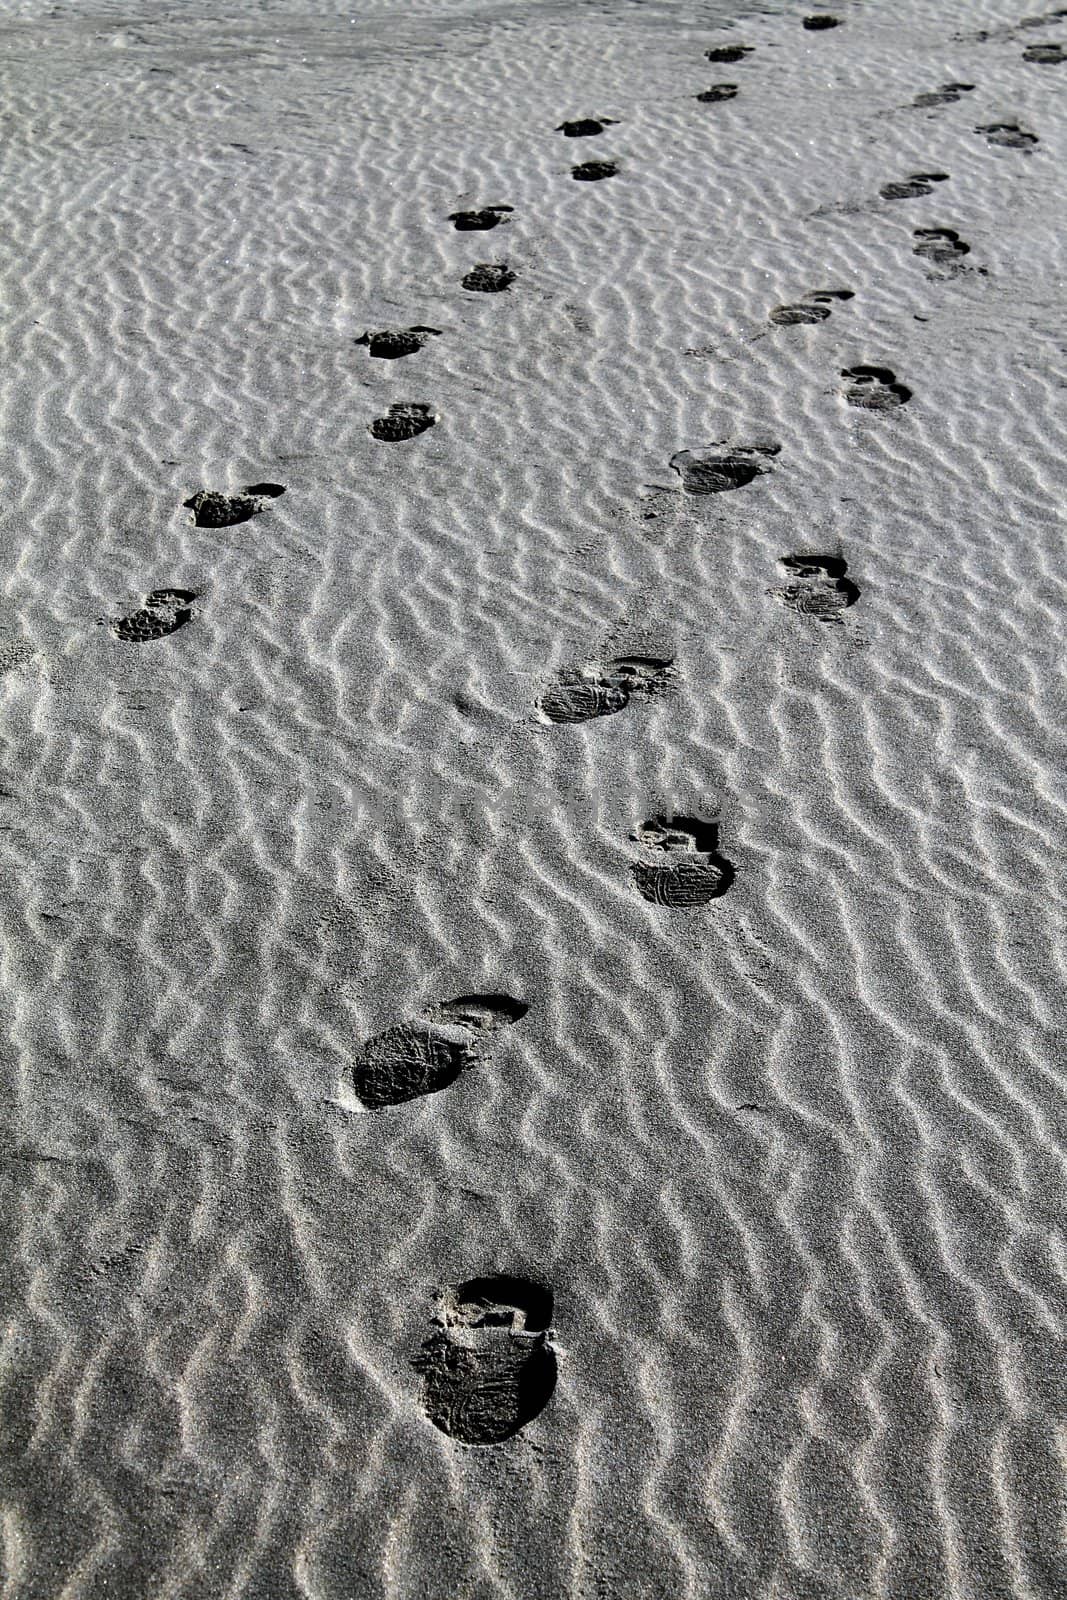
(533, 800)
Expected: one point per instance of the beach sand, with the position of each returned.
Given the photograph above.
(532, 978)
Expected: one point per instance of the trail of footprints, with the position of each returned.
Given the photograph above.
(488, 1366)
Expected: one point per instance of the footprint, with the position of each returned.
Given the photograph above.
(707, 471)
(425, 1056)
(821, 589)
(821, 23)
(165, 611)
(602, 689)
(1046, 55)
(489, 277)
(586, 127)
(814, 307)
(212, 510)
(403, 421)
(718, 91)
(682, 866)
(874, 388)
(592, 171)
(948, 94)
(472, 221)
(918, 184)
(388, 344)
(940, 245)
(1009, 135)
(729, 53)
(489, 1368)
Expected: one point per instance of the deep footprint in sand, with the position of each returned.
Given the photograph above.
(428, 1054)
(489, 277)
(718, 91)
(874, 388)
(727, 54)
(586, 127)
(942, 246)
(919, 183)
(815, 307)
(389, 344)
(681, 865)
(1045, 55)
(593, 171)
(489, 1367)
(602, 689)
(164, 612)
(476, 221)
(403, 421)
(947, 95)
(820, 588)
(719, 467)
(213, 510)
(1008, 135)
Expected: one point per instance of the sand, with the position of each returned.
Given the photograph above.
(532, 987)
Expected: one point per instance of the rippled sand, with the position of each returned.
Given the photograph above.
(533, 803)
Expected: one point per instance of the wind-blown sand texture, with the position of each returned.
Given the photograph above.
(452, 1149)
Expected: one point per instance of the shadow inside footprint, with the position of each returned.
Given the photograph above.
(603, 689)
(874, 388)
(593, 171)
(718, 91)
(682, 866)
(1046, 55)
(789, 316)
(819, 24)
(403, 421)
(424, 1056)
(212, 510)
(820, 589)
(714, 470)
(489, 277)
(586, 127)
(489, 1368)
(1008, 135)
(911, 188)
(727, 54)
(389, 344)
(947, 95)
(940, 245)
(165, 611)
(474, 221)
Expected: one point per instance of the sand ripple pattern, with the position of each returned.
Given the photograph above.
(791, 1162)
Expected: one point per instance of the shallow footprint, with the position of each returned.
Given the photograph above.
(940, 245)
(427, 1055)
(682, 865)
(593, 171)
(602, 689)
(715, 468)
(718, 91)
(403, 421)
(586, 127)
(1046, 55)
(489, 1368)
(1008, 135)
(489, 277)
(947, 95)
(820, 23)
(874, 388)
(164, 611)
(729, 53)
(389, 344)
(914, 186)
(474, 221)
(820, 589)
(213, 510)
